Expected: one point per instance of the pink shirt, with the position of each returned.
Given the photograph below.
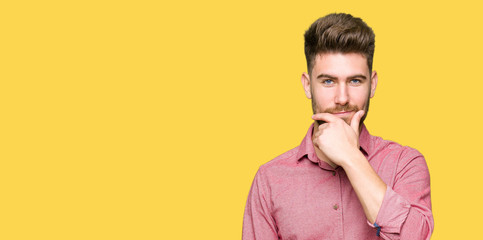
(297, 196)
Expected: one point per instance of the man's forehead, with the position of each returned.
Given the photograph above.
(340, 64)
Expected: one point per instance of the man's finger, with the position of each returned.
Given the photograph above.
(356, 119)
(327, 117)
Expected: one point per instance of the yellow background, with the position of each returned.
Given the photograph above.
(149, 119)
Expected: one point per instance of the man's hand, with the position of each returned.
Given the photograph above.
(336, 139)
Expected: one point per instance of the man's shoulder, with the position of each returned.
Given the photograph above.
(286, 159)
(394, 150)
(381, 144)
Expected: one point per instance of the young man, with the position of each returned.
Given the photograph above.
(340, 182)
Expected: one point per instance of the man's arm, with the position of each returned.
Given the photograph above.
(369, 187)
(258, 222)
(406, 209)
(339, 142)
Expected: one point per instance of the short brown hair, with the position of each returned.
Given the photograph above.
(339, 32)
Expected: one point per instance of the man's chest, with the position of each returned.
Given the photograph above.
(318, 205)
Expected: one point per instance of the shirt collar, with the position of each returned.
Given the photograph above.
(365, 140)
(306, 147)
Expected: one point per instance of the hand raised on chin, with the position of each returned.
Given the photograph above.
(338, 140)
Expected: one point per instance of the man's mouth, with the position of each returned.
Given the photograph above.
(342, 110)
(341, 114)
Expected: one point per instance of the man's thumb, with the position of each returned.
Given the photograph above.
(356, 119)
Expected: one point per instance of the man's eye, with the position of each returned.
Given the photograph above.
(328, 82)
(355, 81)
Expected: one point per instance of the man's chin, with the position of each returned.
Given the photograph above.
(347, 120)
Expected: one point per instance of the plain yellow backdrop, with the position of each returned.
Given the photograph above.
(149, 119)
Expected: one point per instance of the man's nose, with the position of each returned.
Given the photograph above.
(342, 96)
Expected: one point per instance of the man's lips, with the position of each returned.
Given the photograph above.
(341, 114)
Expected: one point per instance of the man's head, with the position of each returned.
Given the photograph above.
(339, 33)
(339, 50)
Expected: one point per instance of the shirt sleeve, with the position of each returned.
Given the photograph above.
(258, 222)
(405, 212)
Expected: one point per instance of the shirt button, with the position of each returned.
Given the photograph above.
(336, 207)
(333, 173)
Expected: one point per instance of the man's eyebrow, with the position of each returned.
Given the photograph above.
(323, 75)
(358, 76)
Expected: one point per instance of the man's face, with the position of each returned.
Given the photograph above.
(340, 84)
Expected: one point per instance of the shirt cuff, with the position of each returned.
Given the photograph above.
(393, 213)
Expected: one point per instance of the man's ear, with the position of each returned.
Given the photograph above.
(373, 83)
(306, 84)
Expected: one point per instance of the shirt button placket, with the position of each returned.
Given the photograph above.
(337, 204)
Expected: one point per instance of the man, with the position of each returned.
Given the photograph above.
(340, 182)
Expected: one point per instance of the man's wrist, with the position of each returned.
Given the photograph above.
(352, 160)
